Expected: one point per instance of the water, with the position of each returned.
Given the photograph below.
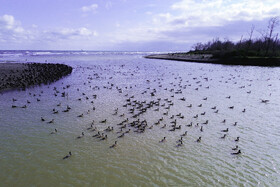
(30, 155)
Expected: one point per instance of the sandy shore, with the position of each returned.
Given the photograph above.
(207, 58)
(19, 75)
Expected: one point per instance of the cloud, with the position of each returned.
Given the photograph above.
(8, 23)
(218, 12)
(191, 21)
(11, 30)
(90, 8)
(69, 33)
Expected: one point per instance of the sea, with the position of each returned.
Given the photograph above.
(203, 110)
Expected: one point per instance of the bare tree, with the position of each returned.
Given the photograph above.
(250, 37)
(272, 24)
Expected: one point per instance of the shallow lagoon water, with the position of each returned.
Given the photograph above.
(29, 155)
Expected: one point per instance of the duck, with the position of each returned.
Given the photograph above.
(81, 115)
(103, 121)
(179, 144)
(206, 122)
(235, 148)
(80, 136)
(42, 119)
(104, 137)
(96, 135)
(67, 156)
(163, 140)
(237, 153)
(223, 137)
(51, 121)
(91, 126)
(180, 140)
(122, 135)
(226, 130)
(114, 145)
(199, 139)
(55, 131)
(185, 133)
(237, 139)
(264, 100)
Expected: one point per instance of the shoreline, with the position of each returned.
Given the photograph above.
(207, 58)
(23, 75)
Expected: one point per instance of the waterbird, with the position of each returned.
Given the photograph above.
(80, 136)
(179, 144)
(226, 130)
(237, 153)
(163, 140)
(104, 137)
(67, 156)
(223, 137)
(55, 131)
(237, 139)
(122, 135)
(185, 133)
(103, 121)
(235, 148)
(264, 100)
(96, 135)
(51, 121)
(199, 139)
(114, 145)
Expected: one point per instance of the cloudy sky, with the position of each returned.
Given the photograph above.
(130, 25)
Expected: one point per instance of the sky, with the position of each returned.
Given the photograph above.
(129, 25)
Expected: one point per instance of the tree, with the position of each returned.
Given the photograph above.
(272, 24)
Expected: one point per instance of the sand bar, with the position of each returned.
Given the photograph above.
(207, 58)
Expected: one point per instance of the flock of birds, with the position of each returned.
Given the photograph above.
(33, 74)
(159, 96)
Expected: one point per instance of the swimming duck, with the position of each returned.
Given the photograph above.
(237, 139)
(122, 135)
(67, 156)
(114, 145)
(235, 148)
(104, 138)
(199, 139)
(80, 136)
(226, 130)
(237, 153)
(163, 140)
(51, 121)
(103, 121)
(96, 135)
(185, 133)
(223, 137)
(55, 131)
(179, 144)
